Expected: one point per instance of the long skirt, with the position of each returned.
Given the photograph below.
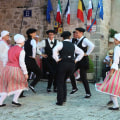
(12, 80)
(1, 68)
(110, 86)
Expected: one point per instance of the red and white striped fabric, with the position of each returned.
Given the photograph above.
(89, 10)
(110, 86)
(1, 67)
(12, 80)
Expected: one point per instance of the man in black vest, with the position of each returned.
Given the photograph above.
(63, 53)
(87, 46)
(48, 45)
(30, 50)
(74, 39)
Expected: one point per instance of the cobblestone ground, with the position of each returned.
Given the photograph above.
(41, 106)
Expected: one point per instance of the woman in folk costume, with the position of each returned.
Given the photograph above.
(111, 84)
(15, 75)
(4, 47)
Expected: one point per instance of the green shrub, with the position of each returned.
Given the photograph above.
(112, 32)
(91, 66)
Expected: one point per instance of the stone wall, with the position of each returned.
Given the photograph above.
(11, 15)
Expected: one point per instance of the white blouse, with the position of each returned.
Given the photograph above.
(116, 58)
(4, 52)
(86, 43)
(34, 46)
(42, 44)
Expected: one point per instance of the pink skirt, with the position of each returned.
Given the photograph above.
(12, 80)
(110, 86)
(1, 67)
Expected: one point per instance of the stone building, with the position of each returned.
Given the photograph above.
(11, 19)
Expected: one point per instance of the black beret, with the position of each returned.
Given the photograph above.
(31, 30)
(50, 31)
(66, 34)
(81, 29)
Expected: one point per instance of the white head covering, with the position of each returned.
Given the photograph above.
(3, 33)
(117, 36)
(18, 38)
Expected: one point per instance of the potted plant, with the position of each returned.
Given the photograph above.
(90, 71)
(112, 32)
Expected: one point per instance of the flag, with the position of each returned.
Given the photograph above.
(49, 9)
(67, 12)
(100, 5)
(80, 10)
(90, 10)
(59, 12)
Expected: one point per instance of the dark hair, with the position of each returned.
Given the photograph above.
(29, 31)
(66, 37)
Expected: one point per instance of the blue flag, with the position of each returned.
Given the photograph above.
(49, 9)
(100, 5)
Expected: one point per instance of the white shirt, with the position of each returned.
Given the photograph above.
(4, 52)
(34, 46)
(116, 58)
(59, 47)
(22, 61)
(86, 43)
(42, 44)
(107, 59)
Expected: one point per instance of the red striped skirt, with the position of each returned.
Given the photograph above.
(1, 67)
(12, 80)
(110, 86)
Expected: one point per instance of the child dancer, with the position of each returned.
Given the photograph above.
(111, 84)
(14, 76)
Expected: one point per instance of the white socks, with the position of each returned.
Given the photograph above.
(111, 98)
(115, 102)
(2, 98)
(16, 96)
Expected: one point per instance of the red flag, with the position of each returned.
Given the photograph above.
(89, 10)
(59, 11)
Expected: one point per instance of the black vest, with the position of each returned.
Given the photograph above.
(84, 63)
(80, 45)
(28, 48)
(67, 52)
(74, 40)
(48, 49)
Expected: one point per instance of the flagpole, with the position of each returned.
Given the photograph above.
(54, 15)
(94, 18)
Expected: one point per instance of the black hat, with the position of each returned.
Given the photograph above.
(66, 34)
(31, 30)
(81, 29)
(50, 31)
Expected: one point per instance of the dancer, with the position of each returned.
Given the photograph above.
(48, 45)
(87, 46)
(30, 50)
(14, 76)
(63, 53)
(111, 84)
(4, 47)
